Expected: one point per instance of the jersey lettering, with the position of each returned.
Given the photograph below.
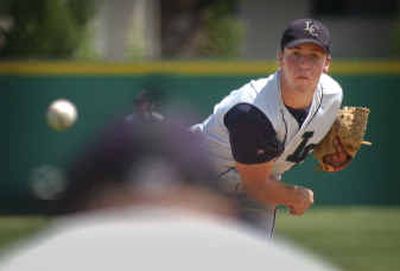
(302, 150)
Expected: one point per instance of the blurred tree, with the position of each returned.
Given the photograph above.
(223, 31)
(200, 28)
(395, 48)
(46, 28)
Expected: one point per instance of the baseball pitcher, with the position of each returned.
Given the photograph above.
(268, 125)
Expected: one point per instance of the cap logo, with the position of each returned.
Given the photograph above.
(311, 28)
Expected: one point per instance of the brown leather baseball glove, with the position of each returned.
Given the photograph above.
(344, 139)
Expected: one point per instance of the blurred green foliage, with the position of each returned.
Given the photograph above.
(46, 28)
(224, 31)
(396, 39)
(201, 28)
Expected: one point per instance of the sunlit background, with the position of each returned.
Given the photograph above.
(132, 30)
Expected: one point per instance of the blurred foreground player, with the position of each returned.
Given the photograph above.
(144, 197)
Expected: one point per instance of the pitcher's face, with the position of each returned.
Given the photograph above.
(303, 65)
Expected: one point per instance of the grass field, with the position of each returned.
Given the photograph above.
(353, 239)
(14, 228)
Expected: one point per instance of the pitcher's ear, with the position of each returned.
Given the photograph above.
(279, 55)
(327, 64)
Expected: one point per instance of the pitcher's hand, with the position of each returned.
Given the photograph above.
(302, 199)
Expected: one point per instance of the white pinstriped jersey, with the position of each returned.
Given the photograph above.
(265, 95)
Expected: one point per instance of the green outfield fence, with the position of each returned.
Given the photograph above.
(102, 91)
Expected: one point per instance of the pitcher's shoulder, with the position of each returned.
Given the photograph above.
(262, 83)
(330, 85)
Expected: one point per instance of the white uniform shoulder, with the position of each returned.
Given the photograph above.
(255, 86)
(259, 84)
(330, 85)
(245, 94)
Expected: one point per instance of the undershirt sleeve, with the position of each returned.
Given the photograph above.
(252, 137)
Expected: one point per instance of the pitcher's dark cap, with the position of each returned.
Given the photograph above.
(306, 31)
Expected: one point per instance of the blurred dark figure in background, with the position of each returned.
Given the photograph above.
(146, 105)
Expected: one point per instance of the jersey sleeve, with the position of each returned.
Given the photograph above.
(252, 137)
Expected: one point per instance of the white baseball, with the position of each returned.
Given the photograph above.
(61, 114)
